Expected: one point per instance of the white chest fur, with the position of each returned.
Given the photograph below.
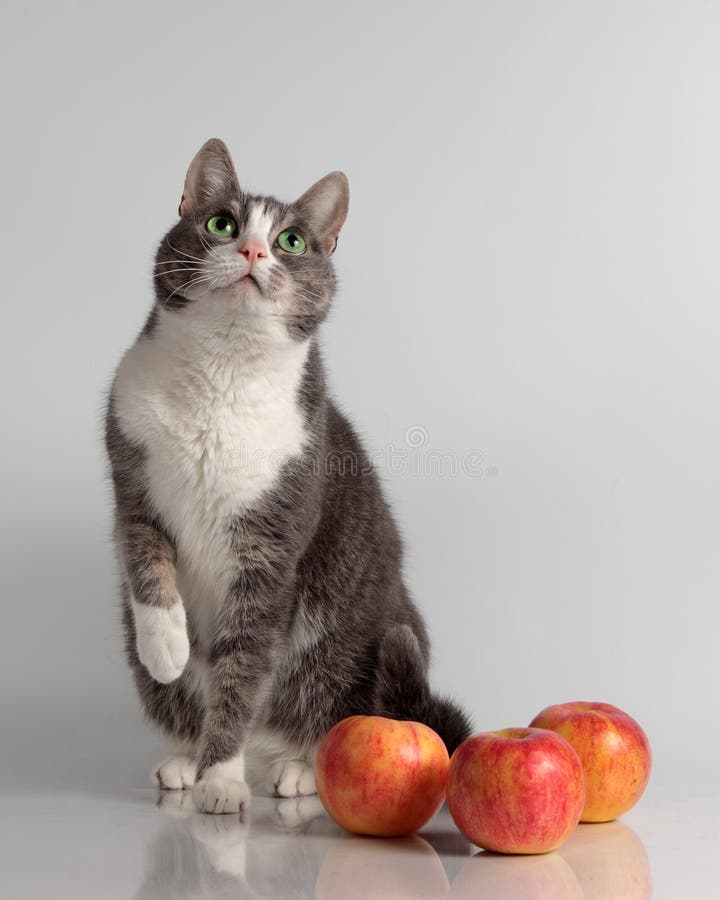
(212, 397)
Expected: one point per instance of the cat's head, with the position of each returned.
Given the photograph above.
(244, 255)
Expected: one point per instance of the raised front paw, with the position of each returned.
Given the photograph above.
(162, 640)
(215, 793)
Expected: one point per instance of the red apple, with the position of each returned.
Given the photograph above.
(614, 752)
(380, 776)
(519, 790)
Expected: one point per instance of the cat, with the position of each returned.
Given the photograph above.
(261, 582)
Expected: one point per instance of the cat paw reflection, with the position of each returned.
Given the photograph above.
(175, 803)
(236, 855)
(193, 855)
(224, 839)
(294, 813)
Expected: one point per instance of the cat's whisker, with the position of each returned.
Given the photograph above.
(196, 279)
(173, 271)
(182, 252)
(214, 281)
(156, 275)
(308, 293)
(210, 249)
(192, 282)
(169, 298)
(178, 262)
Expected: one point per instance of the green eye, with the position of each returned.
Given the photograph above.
(291, 241)
(222, 226)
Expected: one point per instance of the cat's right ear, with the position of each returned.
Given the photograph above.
(211, 173)
(325, 205)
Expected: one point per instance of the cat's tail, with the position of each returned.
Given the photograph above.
(403, 691)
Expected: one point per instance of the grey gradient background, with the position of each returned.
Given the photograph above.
(529, 271)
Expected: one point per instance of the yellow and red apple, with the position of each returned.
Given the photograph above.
(381, 776)
(519, 790)
(614, 752)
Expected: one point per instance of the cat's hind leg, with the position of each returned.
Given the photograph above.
(281, 767)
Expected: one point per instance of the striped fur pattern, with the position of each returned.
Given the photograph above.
(260, 566)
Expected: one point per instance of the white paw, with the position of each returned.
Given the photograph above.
(219, 794)
(174, 773)
(162, 640)
(292, 778)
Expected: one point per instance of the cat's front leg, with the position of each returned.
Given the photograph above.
(161, 635)
(242, 657)
(222, 787)
(162, 639)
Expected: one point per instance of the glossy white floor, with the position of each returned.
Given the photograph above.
(76, 822)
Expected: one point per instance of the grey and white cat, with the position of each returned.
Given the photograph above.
(261, 568)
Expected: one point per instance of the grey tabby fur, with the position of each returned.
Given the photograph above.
(315, 623)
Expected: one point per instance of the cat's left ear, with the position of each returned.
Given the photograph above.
(211, 174)
(325, 206)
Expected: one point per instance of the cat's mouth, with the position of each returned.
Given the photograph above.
(245, 281)
(242, 283)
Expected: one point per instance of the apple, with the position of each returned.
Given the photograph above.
(381, 776)
(519, 790)
(614, 752)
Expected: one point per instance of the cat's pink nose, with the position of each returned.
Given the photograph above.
(253, 249)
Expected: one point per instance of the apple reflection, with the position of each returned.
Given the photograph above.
(367, 868)
(610, 862)
(597, 862)
(543, 877)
